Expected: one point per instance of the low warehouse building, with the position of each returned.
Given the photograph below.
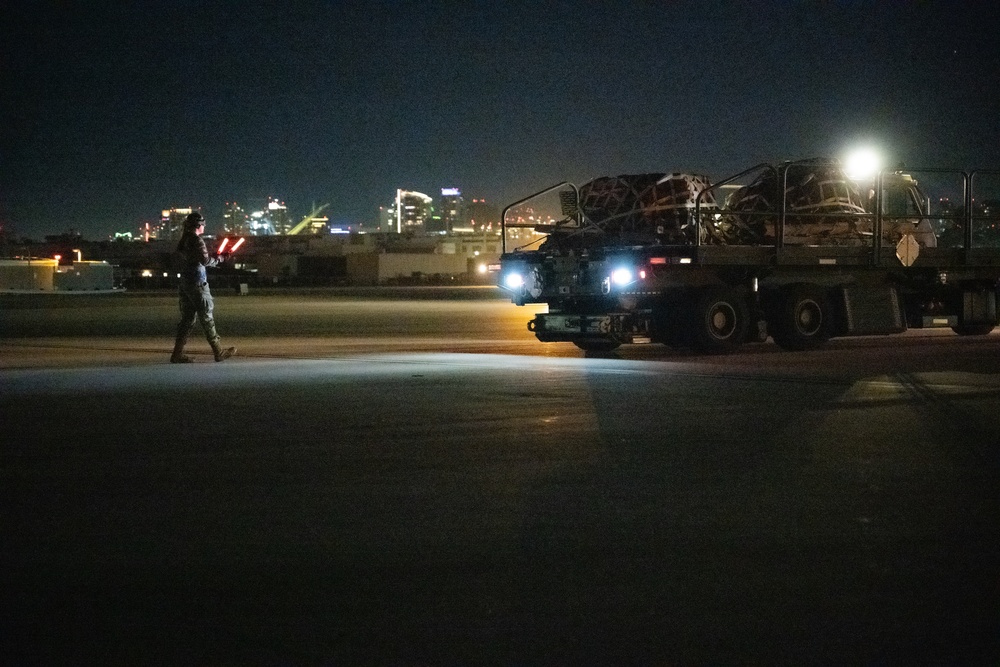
(46, 275)
(379, 268)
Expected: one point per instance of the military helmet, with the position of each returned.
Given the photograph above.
(194, 220)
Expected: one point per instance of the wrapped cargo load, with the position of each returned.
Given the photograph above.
(822, 206)
(645, 209)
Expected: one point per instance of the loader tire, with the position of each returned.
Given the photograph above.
(591, 345)
(719, 320)
(800, 318)
(973, 329)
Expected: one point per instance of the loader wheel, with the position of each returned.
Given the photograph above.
(973, 329)
(979, 306)
(601, 345)
(719, 320)
(800, 319)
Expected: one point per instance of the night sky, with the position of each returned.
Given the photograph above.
(112, 111)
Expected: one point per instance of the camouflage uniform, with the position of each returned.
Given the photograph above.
(195, 297)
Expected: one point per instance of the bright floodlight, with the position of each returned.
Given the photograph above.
(513, 280)
(862, 164)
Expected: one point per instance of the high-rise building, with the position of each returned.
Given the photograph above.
(277, 212)
(412, 211)
(434, 224)
(234, 219)
(387, 218)
(448, 214)
(259, 224)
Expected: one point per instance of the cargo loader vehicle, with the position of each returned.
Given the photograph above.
(798, 251)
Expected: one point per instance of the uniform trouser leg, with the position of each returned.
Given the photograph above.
(206, 306)
(184, 326)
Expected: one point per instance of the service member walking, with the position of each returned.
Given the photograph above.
(195, 297)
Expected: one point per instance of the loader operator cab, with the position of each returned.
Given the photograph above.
(901, 197)
(905, 209)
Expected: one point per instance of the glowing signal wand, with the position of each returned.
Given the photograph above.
(236, 245)
(222, 247)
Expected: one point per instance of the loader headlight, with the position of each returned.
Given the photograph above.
(513, 280)
(622, 276)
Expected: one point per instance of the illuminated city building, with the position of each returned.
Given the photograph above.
(448, 213)
(234, 220)
(277, 212)
(412, 210)
(148, 231)
(270, 221)
(313, 223)
(260, 224)
(387, 218)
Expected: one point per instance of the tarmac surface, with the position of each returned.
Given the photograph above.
(410, 478)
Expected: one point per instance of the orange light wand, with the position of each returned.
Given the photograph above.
(223, 246)
(237, 245)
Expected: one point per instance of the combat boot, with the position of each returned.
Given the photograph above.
(221, 354)
(178, 356)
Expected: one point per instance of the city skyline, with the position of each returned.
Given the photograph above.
(118, 111)
(449, 212)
